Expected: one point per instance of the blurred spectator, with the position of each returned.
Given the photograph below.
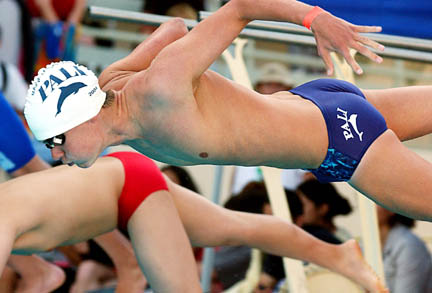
(108, 261)
(183, 10)
(272, 77)
(180, 176)
(321, 204)
(313, 208)
(55, 24)
(177, 8)
(272, 268)
(180, 8)
(13, 86)
(16, 37)
(407, 261)
(232, 262)
(95, 270)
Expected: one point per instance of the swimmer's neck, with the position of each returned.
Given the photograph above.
(120, 121)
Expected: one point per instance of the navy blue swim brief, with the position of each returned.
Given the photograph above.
(352, 122)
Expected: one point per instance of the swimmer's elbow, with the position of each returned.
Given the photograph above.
(8, 232)
(241, 6)
(177, 26)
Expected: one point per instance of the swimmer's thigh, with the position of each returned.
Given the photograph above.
(396, 177)
(161, 245)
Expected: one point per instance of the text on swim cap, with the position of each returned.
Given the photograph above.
(48, 85)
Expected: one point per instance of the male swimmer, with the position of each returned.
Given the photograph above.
(163, 101)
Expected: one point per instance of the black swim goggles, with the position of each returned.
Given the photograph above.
(55, 141)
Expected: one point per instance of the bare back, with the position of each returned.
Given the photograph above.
(215, 121)
(190, 115)
(82, 202)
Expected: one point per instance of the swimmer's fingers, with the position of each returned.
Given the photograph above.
(366, 28)
(351, 61)
(324, 53)
(335, 34)
(362, 40)
(368, 53)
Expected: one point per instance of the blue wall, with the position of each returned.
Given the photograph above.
(411, 18)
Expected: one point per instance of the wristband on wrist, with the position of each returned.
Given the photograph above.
(310, 16)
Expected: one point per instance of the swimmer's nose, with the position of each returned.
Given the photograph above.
(56, 153)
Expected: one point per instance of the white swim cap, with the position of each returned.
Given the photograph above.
(62, 96)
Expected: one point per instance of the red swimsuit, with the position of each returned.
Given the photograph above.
(142, 178)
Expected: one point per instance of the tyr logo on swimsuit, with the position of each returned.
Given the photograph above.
(348, 134)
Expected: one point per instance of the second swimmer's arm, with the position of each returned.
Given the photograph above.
(8, 238)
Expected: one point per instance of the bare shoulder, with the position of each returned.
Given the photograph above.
(163, 85)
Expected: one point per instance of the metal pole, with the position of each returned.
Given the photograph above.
(399, 47)
(133, 16)
(277, 26)
(209, 253)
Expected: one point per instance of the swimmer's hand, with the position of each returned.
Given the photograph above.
(334, 34)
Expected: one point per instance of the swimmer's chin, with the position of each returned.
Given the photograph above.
(84, 165)
(80, 165)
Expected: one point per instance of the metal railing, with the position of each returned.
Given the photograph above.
(396, 46)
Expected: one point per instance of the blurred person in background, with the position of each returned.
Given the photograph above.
(55, 26)
(181, 8)
(272, 265)
(177, 8)
(407, 261)
(14, 89)
(312, 207)
(232, 262)
(180, 176)
(13, 86)
(273, 77)
(16, 37)
(108, 261)
(321, 204)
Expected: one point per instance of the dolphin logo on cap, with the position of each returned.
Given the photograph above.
(66, 91)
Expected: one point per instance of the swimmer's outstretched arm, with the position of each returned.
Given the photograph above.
(210, 225)
(7, 240)
(116, 75)
(195, 52)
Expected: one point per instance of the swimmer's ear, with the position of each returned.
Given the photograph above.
(323, 209)
(299, 221)
(93, 120)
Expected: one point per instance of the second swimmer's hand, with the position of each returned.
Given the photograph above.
(334, 34)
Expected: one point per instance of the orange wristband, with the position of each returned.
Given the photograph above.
(310, 16)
